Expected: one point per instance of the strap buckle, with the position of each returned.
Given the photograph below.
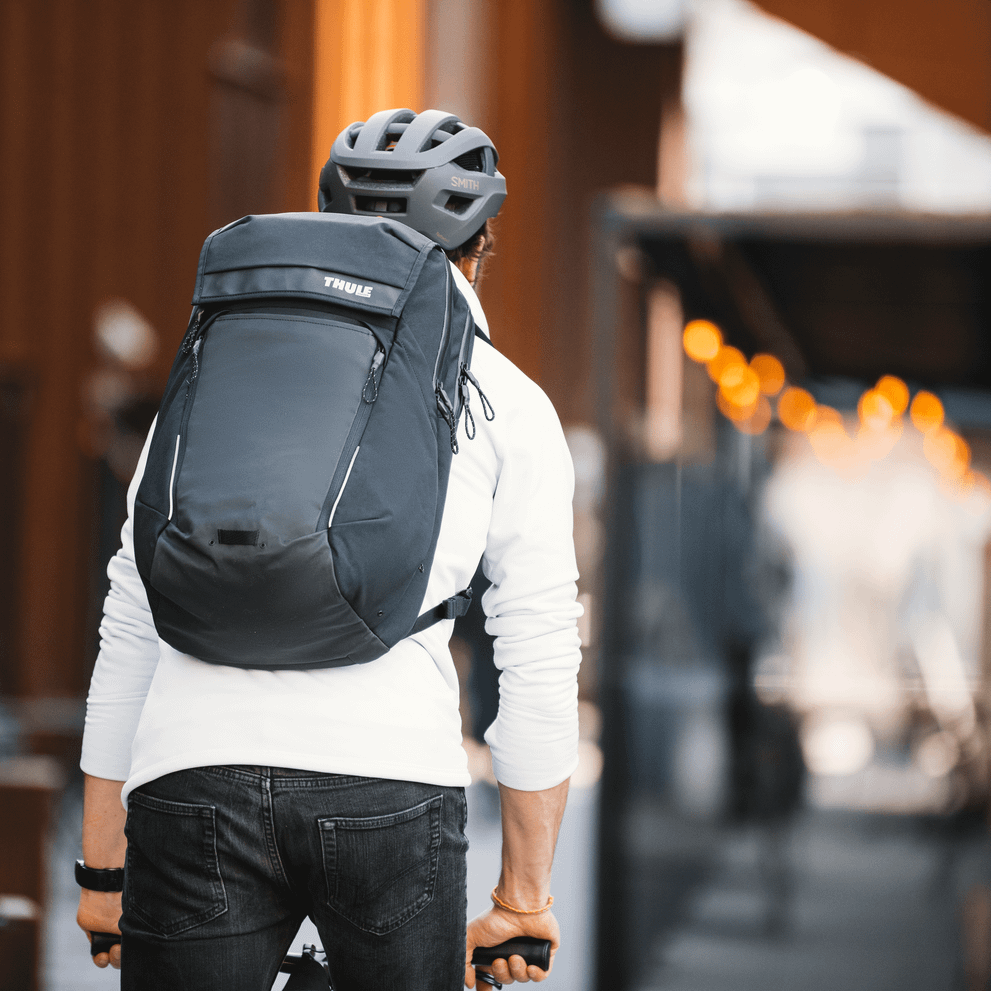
(457, 605)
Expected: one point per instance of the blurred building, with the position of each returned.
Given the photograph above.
(785, 590)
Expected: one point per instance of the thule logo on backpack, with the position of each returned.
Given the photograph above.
(351, 288)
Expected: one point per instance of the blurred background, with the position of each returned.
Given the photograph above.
(745, 252)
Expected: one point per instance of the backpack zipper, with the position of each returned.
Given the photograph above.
(187, 407)
(192, 344)
(446, 410)
(444, 405)
(192, 330)
(352, 445)
(446, 331)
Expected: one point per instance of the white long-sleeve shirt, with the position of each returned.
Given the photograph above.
(153, 710)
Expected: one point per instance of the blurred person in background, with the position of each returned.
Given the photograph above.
(220, 853)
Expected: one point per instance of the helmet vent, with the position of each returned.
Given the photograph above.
(380, 204)
(458, 204)
(387, 177)
(471, 161)
(445, 131)
(390, 137)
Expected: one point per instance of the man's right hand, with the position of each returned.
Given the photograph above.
(99, 912)
(496, 926)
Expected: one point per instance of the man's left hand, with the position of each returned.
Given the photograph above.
(99, 912)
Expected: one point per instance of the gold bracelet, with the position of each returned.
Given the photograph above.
(521, 911)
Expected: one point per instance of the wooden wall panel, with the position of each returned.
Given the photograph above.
(369, 56)
(573, 113)
(14, 404)
(105, 176)
(105, 153)
(15, 149)
(610, 114)
(297, 46)
(526, 55)
(57, 339)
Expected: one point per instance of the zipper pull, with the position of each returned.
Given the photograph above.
(376, 365)
(444, 405)
(446, 410)
(192, 333)
(487, 407)
(465, 394)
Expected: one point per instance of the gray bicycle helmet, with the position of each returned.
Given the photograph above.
(429, 171)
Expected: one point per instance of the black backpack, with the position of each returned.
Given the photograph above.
(295, 483)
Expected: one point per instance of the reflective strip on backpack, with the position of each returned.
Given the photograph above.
(344, 485)
(175, 461)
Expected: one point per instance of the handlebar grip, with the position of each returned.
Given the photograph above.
(307, 975)
(536, 952)
(102, 942)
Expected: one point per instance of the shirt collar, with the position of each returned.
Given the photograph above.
(478, 314)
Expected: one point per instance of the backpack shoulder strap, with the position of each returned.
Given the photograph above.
(452, 608)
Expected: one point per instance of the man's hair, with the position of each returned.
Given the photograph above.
(477, 248)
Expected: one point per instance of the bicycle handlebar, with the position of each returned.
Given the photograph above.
(308, 974)
(536, 952)
(305, 967)
(102, 942)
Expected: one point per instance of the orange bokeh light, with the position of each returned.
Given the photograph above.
(828, 437)
(702, 340)
(739, 384)
(948, 452)
(829, 442)
(875, 410)
(759, 419)
(965, 484)
(797, 409)
(771, 373)
(826, 414)
(733, 411)
(895, 391)
(726, 356)
(926, 412)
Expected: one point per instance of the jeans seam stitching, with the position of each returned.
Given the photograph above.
(272, 847)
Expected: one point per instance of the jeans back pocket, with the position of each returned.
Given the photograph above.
(172, 880)
(381, 870)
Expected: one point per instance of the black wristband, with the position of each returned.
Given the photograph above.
(99, 878)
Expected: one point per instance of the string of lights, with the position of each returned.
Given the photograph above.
(745, 391)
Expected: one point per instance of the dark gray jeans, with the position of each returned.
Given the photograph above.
(223, 864)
